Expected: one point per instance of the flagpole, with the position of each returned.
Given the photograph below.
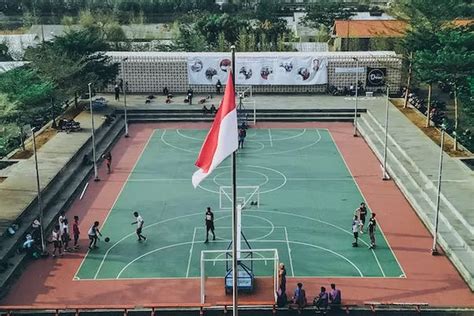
(234, 213)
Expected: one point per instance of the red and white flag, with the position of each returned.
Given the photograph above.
(222, 139)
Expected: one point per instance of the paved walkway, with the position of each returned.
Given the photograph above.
(275, 101)
(18, 190)
(413, 162)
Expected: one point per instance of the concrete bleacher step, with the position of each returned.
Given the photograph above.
(59, 194)
(262, 115)
(454, 237)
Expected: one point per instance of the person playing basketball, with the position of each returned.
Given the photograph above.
(209, 224)
(139, 221)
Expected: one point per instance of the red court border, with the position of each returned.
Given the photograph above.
(429, 279)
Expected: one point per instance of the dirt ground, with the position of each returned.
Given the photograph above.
(432, 132)
(46, 135)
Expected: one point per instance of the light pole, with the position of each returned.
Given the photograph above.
(125, 85)
(385, 175)
(38, 188)
(434, 250)
(94, 160)
(356, 95)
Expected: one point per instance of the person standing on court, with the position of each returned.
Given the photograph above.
(282, 277)
(94, 234)
(75, 231)
(209, 224)
(371, 228)
(242, 135)
(108, 160)
(355, 230)
(140, 222)
(361, 213)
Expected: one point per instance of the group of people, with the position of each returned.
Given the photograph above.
(61, 237)
(358, 224)
(299, 300)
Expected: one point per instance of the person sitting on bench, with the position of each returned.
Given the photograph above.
(213, 109)
(205, 110)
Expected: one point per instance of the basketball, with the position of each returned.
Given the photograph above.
(107, 239)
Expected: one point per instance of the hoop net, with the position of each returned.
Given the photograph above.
(247, 196)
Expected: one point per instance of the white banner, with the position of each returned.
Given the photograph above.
(259, 70)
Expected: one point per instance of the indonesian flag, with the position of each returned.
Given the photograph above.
(222, 139)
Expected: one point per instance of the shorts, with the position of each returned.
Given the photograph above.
(362, 219)
(356, 235)
(56, 244)
(139, 231)
(210, 227)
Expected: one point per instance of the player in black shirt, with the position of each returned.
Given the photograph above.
(371, 228)
(361, 212)
(209, 224)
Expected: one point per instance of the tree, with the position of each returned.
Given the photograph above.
(25, 97)
(211, 25)
(189, 40)
(455, 64)
(424, 22)
(4, 54)
(426, 71)
(73, 60)
(325, 13)
(266, 10)
(221, 43)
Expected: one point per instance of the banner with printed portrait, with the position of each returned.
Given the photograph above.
(259, 70)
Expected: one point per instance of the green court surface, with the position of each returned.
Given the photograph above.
(307, 201)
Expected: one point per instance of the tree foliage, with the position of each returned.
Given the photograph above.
(73, 60)
(326, 12)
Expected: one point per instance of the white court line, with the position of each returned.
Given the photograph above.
(269, 241)
(243, 179)
(191, 253)
(365, 200)
(116, 199)
(144, 228)
(289, 252)
(318, 247)
(378, 263)
(270, 137)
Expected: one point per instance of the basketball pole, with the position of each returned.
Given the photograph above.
(234, 213)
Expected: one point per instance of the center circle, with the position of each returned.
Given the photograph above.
(265, 174)
(254, 183)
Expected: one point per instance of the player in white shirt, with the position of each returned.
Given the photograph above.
(140, 222)
(355, 230)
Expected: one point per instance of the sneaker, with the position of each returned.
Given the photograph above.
(206, 241)
(214, 238)
(54, 256)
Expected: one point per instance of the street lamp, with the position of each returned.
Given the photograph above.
(125, 85)
(385, 175)
(38, 188)
(356, 95)
(434, 250)
(96, 175)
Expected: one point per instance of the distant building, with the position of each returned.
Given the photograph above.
(367, 35)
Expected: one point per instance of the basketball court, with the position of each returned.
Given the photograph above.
(305, 197)
(307, 180)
